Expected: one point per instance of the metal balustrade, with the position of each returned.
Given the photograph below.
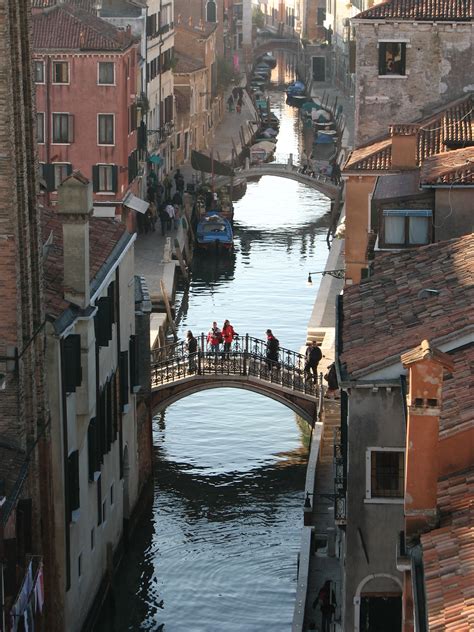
(247, 358)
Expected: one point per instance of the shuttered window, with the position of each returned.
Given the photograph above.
(134, 363)
(93, 445)
(104, 178)
(73, 482)
(99, 501)
(109, 415)
(71, 348)
(63, 128)
(124, 379)
(103, 321)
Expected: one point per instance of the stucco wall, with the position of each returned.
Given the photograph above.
(375, 420)
(454, 212)
(437, 57)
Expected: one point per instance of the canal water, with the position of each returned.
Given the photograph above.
(217, 551)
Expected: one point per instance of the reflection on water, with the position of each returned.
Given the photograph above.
(217, 551)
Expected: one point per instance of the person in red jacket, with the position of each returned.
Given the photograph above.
(228, 335)
(214, 338)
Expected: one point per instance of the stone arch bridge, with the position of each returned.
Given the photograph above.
(176, 374)
(275, 43)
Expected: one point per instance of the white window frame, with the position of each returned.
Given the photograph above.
(43, 114)
(99, 83)
(406, 212)
(104, 164)
(53, 142)
(368, 478)
(39, 61)
(58, 163)
(98, 129)
(60, 83)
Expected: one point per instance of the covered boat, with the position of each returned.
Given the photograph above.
(296, 89)
(214, 232)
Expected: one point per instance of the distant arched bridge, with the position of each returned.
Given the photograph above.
(283, 167)
(275, 43)
(176, 374)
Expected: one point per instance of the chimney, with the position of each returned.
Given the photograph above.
(74, 209)
(425, 367)
(404, 146)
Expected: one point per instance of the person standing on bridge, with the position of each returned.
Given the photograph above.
(191, 348)
(313, 357)
(273, 348)
(228, 335)
(214, 338)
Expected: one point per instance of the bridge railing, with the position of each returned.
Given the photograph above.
(246, 356)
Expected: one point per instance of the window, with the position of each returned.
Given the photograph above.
(392, 58)
(106, 73)
(99, 501)
(38, 70)
(124, 379)
(92, 539)
(211, 11)
(93, 448)
(186, 145)
(178, 140)
(60, 72)
(61, 172)
(103, 321)
(106, 129)
(73, 483)
(40, 127)
(112, 494)
(384, 473)
(402, 228)
(104, 178)
(71, 362)
(79, 565)
(63, 128)
(134, 347)
(104, 515)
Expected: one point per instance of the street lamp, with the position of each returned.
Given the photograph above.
(337, 274)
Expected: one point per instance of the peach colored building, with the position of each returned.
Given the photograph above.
(85, 71)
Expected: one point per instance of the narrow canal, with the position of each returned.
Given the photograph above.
(218, 549)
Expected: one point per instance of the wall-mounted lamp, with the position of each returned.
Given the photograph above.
(337, 274)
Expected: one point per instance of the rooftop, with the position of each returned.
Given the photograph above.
(387, 314)
(420, 10)
(449, 128)
(457, 412)
(451, 167)
(71, 27)
(104, 236)
(448, 557)
(186, 63)
(206, 29)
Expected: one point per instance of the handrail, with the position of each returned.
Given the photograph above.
(248, 356)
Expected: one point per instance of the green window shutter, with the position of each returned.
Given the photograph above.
(124, 382)
(72, 362)
(48, 175)
(73, 482)
(114, 178)
(111, 296)
(103, 321)
(109, 415)
(134, 362)
(93, 448)
(99, 501)
(95, 178)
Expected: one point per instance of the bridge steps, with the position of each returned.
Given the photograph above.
(331, 421)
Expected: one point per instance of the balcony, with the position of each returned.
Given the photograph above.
(157, 137)
(340, 507)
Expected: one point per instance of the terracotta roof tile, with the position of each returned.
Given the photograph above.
(456, 167)
(385, 315)
(185, 63)
(420, 10)
(69, 27)
(104, 235)
(457, 411)
(450, 128)
(448, 557)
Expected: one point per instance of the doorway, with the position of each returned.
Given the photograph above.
(380, 613)
(319, 68)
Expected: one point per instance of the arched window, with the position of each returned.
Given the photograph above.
(211, 11)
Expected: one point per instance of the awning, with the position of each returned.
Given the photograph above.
(156, 160)
(139, 205)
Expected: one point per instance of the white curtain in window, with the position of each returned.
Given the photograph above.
(418, 231)
(394, 230)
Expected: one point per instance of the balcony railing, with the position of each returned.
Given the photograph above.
(339, 480)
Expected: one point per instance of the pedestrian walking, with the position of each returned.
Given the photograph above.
(177, 215)
(151, 215)
(177, 199)
(235, 93)
(327, 604)
(169, 208)
(313, 357)
(273, 348)
(239, 104)
(167, 184)
(191, 348)
(164, 217)
(331, 379)
(179, 182)
(214, 338)
(303, 161)
(230, 103)
(336, 173)
(228, 335)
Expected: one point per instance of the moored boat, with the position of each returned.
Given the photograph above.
(214, 233)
